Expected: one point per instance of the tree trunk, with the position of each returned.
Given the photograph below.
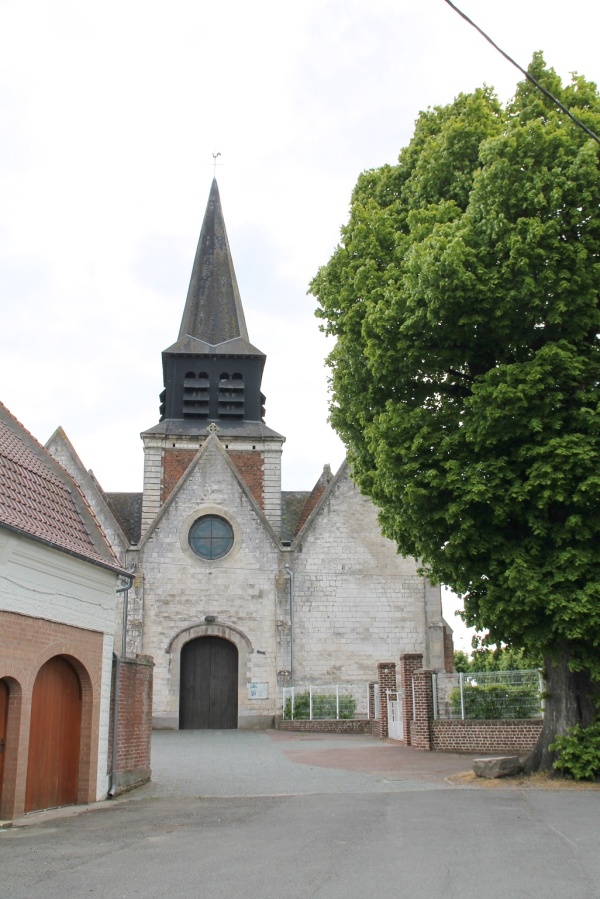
(568, 702)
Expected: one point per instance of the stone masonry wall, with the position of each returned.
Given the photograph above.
(152, 481)
(448, 651)
(272, 484)
(356, 600)
(180, 590)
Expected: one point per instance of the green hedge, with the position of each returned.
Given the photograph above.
(496, 701)
(579, 752)
(323, 706)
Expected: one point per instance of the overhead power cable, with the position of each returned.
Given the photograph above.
(529, 77)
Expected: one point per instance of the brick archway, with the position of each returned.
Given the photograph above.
(54, 737)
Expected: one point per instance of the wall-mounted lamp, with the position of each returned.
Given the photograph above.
(210, 618)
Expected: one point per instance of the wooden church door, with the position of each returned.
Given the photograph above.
(208, 695)
(54, 735)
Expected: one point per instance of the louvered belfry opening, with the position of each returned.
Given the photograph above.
(231, 395)
(196, 397)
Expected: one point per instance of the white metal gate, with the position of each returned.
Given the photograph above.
(394, 710)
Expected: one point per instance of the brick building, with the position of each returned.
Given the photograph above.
(241, 588)
(58, 577)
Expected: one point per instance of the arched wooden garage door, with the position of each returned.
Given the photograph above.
(208, 684)
(53, 764)
(3, 723)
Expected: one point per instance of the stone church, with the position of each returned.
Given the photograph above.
(241, 589)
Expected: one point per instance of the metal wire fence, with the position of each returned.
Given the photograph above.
(488, 695)
(325, 702)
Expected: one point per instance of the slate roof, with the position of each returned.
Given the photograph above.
(127, 509)
(292, 503)
(40, 499)
(181, 427)
(213, 319)
(313, 498)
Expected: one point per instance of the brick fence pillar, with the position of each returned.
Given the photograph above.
(386, 677)
(420, 731)
(409, 663)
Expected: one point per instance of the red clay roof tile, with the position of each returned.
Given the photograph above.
(35, 500)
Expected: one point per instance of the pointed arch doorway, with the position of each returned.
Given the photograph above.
(208, 686)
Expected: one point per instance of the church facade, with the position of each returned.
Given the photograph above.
(241, 589)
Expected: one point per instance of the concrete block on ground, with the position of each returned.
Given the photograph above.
(500, 766)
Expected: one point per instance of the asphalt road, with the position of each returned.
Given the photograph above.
(435, 841)
(453, 843)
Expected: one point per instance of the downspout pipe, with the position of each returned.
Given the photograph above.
(124, 590)
(112, 788)
(290, 574)
(113, 768)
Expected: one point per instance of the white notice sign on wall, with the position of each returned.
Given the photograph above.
(258, 691)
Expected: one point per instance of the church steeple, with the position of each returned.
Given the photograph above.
(213, 309)
(212, 372)
(212, 376)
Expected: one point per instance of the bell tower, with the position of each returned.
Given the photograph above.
(212, 379)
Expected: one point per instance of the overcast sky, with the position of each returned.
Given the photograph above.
(110, 114)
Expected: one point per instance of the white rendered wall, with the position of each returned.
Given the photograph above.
(102, 779)
(41, 582)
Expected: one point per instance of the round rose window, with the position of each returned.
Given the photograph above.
(211, 537)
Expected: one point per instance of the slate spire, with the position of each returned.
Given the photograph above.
(213, 309)
(212, 372)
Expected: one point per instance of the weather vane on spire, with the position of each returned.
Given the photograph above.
(215, 157)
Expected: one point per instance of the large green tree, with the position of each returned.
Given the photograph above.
(464, 296)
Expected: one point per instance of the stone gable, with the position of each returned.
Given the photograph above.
(237, 592)
(357, 600)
